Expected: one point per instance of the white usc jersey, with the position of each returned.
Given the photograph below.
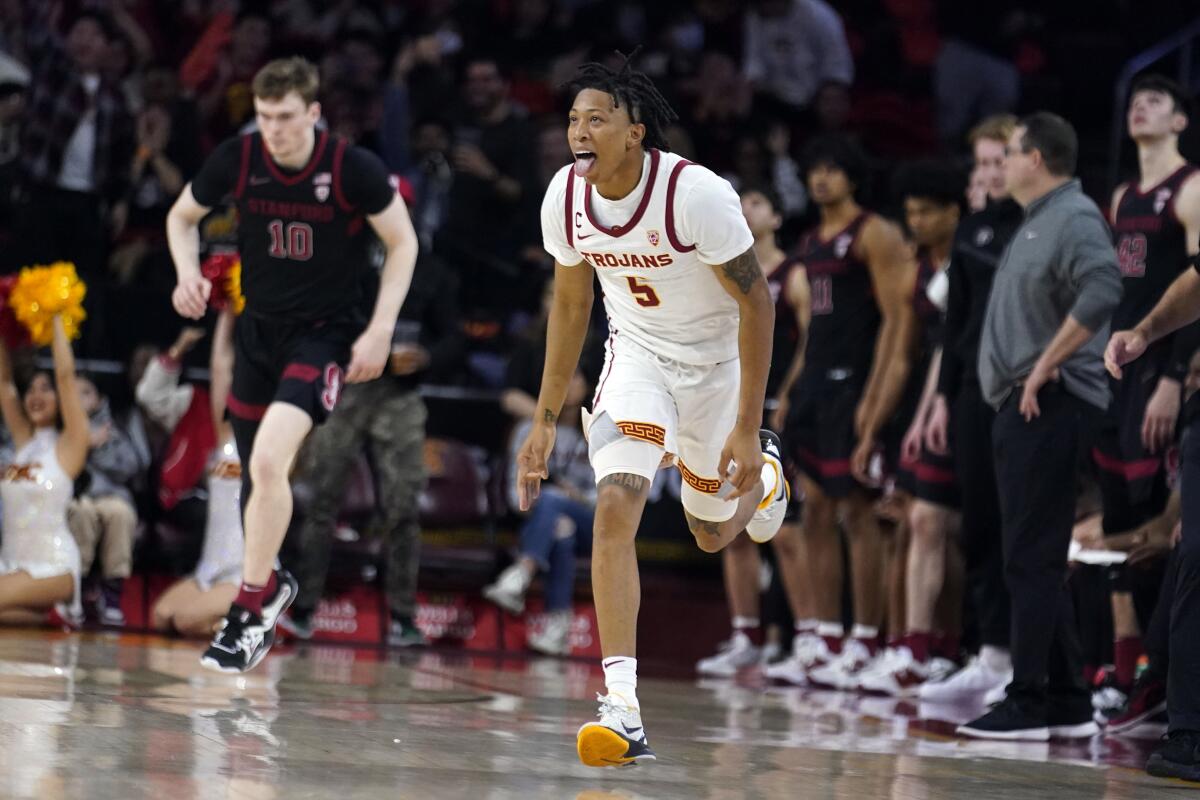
(654, 251)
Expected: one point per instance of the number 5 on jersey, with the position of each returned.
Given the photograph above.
(643, 292)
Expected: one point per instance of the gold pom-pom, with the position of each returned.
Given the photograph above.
(41, 292)
(233, 286)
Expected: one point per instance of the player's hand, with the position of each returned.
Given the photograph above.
(190, 297)
(369, 355)
(1158, 425)
(860, 461)
(1123, 347)
(1153, 541)
(531, 462)
(937, 427)
(910, 446)
(1040, 376)
(744, 450)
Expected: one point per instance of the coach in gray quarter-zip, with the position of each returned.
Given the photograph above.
(1041, 366)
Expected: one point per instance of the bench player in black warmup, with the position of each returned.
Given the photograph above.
(305, 200)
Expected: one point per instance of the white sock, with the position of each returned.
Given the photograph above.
(831, 630)
(807, 625)
(769, 476)
(864, 632)
(997, 659)
(742, 623)
(620, 678)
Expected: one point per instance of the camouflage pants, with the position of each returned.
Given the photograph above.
(390, 423)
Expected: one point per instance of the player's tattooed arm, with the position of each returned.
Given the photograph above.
(743, 271)
(625, 480)
(549, 416)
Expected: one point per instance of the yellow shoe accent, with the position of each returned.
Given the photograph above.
(770, 498)
(600, 747)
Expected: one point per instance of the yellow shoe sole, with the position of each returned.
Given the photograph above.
(600, 747)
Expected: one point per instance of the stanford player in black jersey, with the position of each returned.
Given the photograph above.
(933, 195)
(855, 365)
(740, 560)
(1158, 112)
(307, 203)
(1156, 223)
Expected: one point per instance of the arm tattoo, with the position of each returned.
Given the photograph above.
(549, 416)
(699, 526)
(625, 480)
(744, 271)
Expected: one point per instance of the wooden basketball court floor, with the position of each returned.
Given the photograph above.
(127, 716)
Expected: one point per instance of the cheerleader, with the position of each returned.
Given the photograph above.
(196, 605)
(39, 560)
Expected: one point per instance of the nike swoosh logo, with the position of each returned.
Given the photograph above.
(258, 181)
(630, 731)
(582, 236)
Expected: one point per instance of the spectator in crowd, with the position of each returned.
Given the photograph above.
(557, 528)
(77, 143)
(387, 416)
(185, 413)
(431, 177)
(195, 605)
(167, 153)
(493, 200)
(102, 518)
(39, 560)
(794, 48)
(13, 89)
(220, 67)
(974, 75)
(1041, 367)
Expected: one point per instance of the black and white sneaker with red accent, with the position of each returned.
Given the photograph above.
(245, 637)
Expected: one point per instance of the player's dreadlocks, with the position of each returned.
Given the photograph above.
(631, 88)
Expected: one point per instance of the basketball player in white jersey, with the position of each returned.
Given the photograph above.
(691, 323)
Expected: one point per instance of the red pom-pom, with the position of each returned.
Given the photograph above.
(14, 334)
(221, 269)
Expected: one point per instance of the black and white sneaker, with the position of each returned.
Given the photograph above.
(766, 521)
(1010, 720)
(245, 638)
(1070, 718)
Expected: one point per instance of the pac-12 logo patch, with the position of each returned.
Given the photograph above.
(652, 237)
(1160, 199)
(842, 245)
(321, 185)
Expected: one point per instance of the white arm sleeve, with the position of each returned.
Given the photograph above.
(709, 215)
(554, 234)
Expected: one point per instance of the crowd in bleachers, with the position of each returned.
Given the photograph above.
(107, 109)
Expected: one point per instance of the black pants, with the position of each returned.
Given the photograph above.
(973, 419)
(1036, 468)
(1157, 638)
(1183, 673)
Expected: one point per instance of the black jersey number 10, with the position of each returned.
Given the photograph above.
(291, 240)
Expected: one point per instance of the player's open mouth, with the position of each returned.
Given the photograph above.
(584, 161)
